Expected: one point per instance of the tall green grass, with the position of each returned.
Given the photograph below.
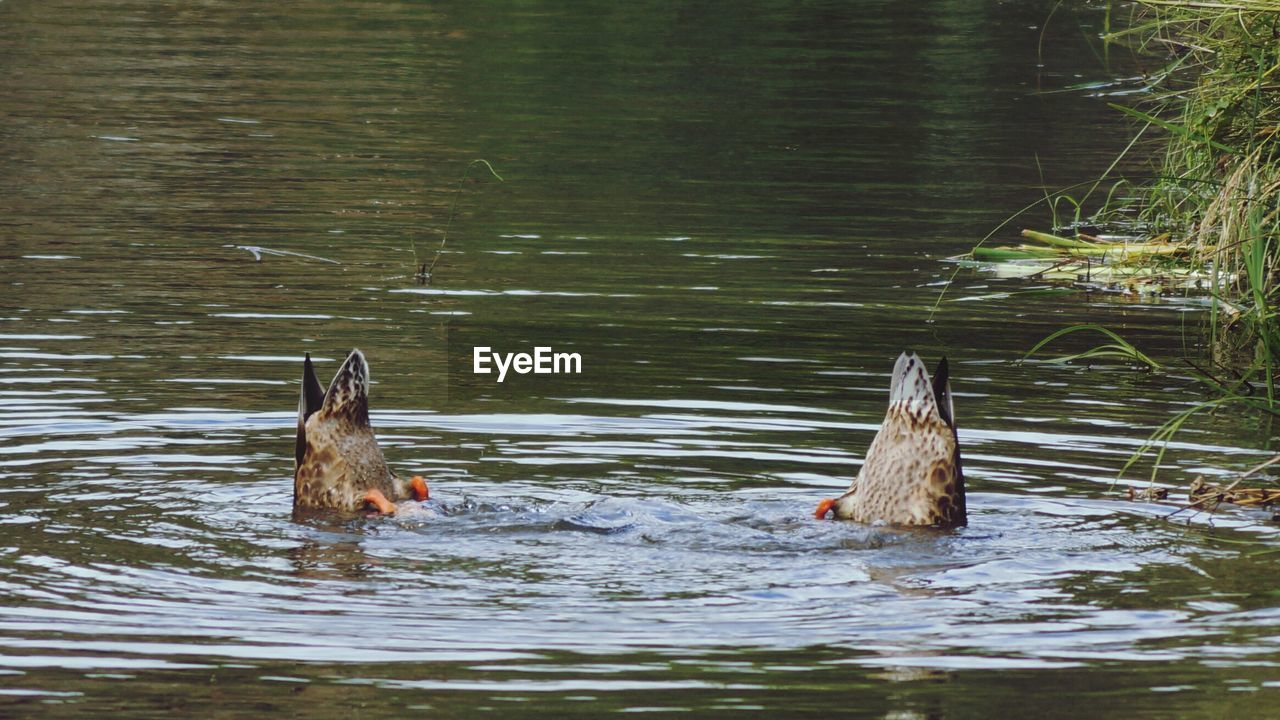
(1214, 108)
(1216, 99)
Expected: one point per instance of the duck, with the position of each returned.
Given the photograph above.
(912, 474)
(338, 464)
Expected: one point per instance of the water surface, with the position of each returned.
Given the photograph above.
(737, 217)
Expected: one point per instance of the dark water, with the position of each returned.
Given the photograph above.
(735, 213)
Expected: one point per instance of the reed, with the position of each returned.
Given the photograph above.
(1211, 213)
(1118, 348)
(1209, 220)
(1217, 100)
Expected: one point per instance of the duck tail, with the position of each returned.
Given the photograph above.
(942, 392)
(946, 408)
(309, 400)
(348, 394)
(909, 389)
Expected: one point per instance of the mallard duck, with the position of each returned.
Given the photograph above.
(338, 464)
(911, 475)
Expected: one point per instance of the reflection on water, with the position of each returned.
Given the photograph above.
(735, 217)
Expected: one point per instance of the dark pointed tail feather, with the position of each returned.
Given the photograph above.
(942, 392)
(959, 510)
(946, 408)
(312, 392)
(961, 515)
(309, 400)
(348, 394)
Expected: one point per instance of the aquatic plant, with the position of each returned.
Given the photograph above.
(1117, 348)
(1232, 389)
(1209, 220)
(424, 270)
(1219, 185)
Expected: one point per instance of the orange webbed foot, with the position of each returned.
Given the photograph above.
(419, 488)
(379, 502)
(824, 507)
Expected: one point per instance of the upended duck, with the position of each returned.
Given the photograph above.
(911, 474)
(338, 464)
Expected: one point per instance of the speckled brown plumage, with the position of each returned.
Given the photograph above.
(911, 474)
(337, 456)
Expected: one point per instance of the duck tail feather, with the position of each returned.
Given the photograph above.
(910, 390)
(348, 394)
(310, 398)
(942, 392)
(899, 373)
(946, 408)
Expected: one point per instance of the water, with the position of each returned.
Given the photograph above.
(736, 216)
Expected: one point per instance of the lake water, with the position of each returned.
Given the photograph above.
(737, 215)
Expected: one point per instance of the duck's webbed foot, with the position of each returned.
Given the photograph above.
(419, 488)
(376, 500)
(824, 507)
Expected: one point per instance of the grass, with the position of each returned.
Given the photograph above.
(1209, 220)
(1118, 348)
(1234, 392)
(1211, 212)
(1218, 188)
